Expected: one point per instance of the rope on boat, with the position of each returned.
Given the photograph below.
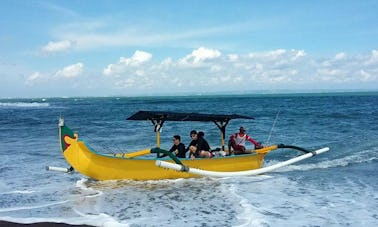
(274, 124)
(105, 147)
(164, 164)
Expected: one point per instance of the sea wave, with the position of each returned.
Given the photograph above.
(18, 192)
(100, 219)
(365, 156)
(24, 104)
(88, 192)
(248, 215)
(8, 209)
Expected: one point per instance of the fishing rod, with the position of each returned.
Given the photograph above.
(274, 124)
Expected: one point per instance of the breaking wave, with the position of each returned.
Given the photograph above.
(365, 156)
(24, 104)
(8, 209)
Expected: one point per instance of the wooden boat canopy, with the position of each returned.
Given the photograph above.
(159, 117)
(176, 116)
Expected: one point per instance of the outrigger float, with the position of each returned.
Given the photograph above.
(102, 166)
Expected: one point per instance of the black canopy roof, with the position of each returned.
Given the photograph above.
(175, 116)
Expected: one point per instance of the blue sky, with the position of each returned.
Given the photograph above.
(105, 48)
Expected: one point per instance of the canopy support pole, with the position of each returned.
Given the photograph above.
(222, 127)
(158, 125)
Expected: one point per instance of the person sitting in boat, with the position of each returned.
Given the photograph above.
(178, 147)
(199, 147)
(237, 142)
(193, 135)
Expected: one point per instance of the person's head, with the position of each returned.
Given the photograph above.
(176, 139)
(201, 134)
(194, 135)
(242, 130)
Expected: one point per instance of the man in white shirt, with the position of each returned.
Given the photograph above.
(237, 142)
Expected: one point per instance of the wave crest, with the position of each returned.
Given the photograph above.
(24, 104)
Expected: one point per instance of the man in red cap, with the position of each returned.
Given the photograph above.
(237, 142)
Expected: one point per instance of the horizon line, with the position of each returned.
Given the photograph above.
(228, 93)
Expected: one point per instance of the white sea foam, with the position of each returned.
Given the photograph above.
(359, 157)
(17, 192)
(24, 104)
(100, 219)
(31, 207)
(81, 184)
(248, 215)
(90, 191)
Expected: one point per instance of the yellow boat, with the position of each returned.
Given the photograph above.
(131, 166)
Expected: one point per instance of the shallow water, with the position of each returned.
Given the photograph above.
(335, 188)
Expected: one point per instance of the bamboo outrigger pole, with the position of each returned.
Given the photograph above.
(208, 173)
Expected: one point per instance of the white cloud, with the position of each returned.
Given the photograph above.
(200, 55)
(268, 55)
(139, 58)
(58, 9)
(100, 32)
(125, 83)
(216, 68)
(330, 72)
(34, 77)
(340, 56)
(57, 46)
(297, 54)
(166, 63)
(207, 69)
(373, 57)
(233, 57)
(366, 77)
(70, 71)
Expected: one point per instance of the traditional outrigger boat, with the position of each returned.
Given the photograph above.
(102, 166)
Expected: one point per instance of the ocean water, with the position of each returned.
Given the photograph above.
(337, 188)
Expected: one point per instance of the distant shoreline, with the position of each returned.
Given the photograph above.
(217, 94)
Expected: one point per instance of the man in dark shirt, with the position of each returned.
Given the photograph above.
(193, 135)
(178, 148)
(199, 147)
(202, 144)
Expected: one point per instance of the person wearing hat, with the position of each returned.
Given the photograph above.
(237, 142)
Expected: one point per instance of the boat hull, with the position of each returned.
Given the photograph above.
(115, 167)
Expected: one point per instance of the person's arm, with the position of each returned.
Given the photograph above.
(181, 151)
(187, 149)
(206, 145)
(192, 143)
(252, 140)
(173, 148)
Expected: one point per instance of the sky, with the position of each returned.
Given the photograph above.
(97, 48)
